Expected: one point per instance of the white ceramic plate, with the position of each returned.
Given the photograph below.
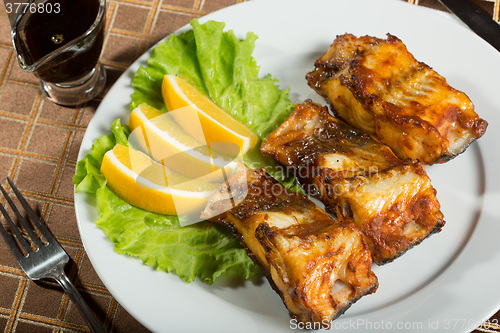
(449, 282)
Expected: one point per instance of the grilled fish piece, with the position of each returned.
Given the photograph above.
(390, 200)
(378, 86)
(317, 265)
(311, 139)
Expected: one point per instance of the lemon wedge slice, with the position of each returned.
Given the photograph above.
(136, 178)
(158, 134)
(218, 127)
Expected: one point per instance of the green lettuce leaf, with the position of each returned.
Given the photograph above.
(159, 240)
(88, 177)
(205, 249)
(222, 67)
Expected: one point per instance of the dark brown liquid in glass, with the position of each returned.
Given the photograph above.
(46, 32)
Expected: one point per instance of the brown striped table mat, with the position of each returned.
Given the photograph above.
(39, 143)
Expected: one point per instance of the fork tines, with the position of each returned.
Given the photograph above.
(42, 259)
(35, 220)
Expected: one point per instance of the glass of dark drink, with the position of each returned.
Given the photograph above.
(60, 42)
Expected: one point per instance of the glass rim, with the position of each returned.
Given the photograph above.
(46, 58)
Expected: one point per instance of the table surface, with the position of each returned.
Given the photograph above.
(38, 135)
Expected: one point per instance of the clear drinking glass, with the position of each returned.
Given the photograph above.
(60, 42)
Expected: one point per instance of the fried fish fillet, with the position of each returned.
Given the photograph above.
(390, 200)
(317, 265)
(378, 86)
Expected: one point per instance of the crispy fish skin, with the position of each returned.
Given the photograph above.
(395, 208)
(378, 86)
(317, 265)
(390, 200)
(320, 273)
(312, 139)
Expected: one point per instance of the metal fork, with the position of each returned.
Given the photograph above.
(43, 259)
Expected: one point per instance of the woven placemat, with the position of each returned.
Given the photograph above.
(39, 143)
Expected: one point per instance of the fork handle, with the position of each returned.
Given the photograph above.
(92, 322)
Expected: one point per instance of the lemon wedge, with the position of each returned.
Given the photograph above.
(158, 134)
(218, 127)
(137, 179)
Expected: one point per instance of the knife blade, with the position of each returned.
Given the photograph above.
(477, 20)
